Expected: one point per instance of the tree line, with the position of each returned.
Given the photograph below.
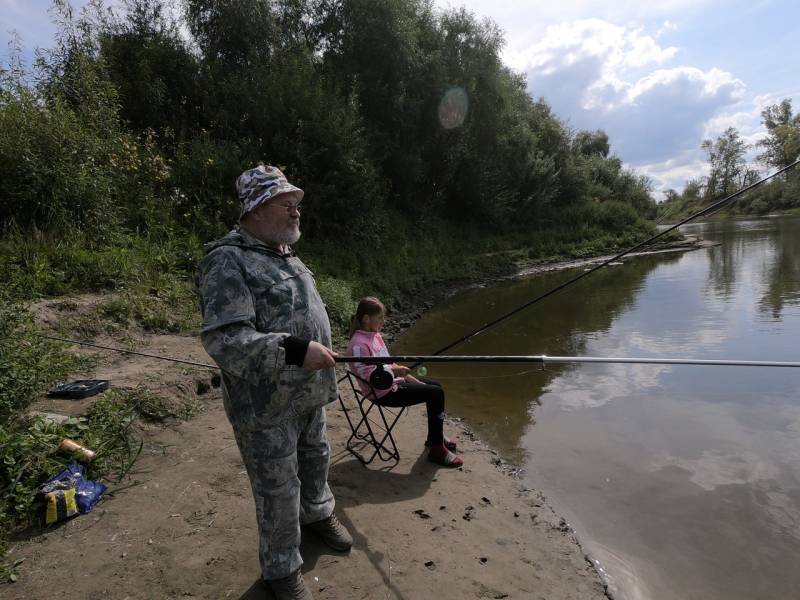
(385, 111)
(729, 171)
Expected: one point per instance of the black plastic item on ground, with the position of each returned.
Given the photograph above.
(83, 388)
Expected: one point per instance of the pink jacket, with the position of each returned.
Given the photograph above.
(369, 343)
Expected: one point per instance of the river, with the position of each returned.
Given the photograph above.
(683, 481)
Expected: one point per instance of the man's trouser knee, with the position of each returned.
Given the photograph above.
(288, 469)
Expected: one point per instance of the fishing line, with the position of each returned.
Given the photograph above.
(120, 350)
(709, 209)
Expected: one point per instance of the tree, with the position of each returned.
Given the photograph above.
(782, 144)
(153, 71)
(726, 162)
(592, 143)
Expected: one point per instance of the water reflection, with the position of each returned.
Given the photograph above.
(685, 481)
(782, 275)
(499, 400)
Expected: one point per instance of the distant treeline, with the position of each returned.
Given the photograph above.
(384, 111)
(729, 170)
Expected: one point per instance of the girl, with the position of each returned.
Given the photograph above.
(406, 390)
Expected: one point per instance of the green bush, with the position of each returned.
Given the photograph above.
(340, 303)
(29, 364)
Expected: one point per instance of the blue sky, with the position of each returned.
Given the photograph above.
(659, 77)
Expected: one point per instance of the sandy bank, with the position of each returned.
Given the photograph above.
(185, 525)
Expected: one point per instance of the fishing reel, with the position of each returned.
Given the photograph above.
(380, 378)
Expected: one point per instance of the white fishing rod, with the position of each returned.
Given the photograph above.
(382, 379)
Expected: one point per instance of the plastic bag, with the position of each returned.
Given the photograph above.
(67, 493)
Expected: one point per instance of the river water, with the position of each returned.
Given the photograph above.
(683, 481)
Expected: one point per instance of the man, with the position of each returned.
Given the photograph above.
(266, 327)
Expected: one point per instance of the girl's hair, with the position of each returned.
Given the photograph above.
(367, 306)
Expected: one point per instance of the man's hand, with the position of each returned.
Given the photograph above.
(400, 370)
(318, 357)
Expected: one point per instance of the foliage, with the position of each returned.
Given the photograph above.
(728, 171)
(782, 144)
(727, 164)
(29, 364)
(40, 265)
(30, 455)
(340, 302)
(29, 448)
(379, 110)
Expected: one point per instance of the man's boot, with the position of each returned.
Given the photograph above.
(332, 533)
(290, 588)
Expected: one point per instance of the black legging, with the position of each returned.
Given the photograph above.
(431, 393)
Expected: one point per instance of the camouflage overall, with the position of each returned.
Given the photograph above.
(252, 298)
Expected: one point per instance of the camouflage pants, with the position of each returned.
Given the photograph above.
(288, 469)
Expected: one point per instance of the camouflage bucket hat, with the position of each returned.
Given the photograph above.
(256, 186)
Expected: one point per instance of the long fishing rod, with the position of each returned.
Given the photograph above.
(709, 209)
(382, 379)
(544, 358)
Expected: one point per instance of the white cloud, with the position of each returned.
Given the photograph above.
(686, 81)
(744, 116)
(525, 22)
(665, 27)
(676, 171)
(599, 75)
(594, 53)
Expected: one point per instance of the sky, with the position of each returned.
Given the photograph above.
(659, 77)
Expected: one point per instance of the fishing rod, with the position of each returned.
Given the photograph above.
(123, 351)
(708, 210)
(382, 379)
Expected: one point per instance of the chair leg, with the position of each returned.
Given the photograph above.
(363, 434)
(358, 439)
(393, 453)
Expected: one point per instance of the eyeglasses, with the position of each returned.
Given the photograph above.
(289, 206)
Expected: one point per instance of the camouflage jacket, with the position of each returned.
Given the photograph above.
(252, 298)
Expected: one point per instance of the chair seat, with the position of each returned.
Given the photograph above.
(370, 424)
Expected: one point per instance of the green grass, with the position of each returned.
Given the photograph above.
(29, 364)
(46, 265)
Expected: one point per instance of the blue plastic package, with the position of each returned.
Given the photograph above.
(86, 492)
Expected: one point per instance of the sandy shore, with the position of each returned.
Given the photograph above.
(185, 524)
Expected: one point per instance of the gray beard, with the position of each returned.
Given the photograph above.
(281, 236)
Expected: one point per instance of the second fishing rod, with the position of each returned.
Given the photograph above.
(712, 208)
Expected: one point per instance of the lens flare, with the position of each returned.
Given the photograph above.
(453, 108)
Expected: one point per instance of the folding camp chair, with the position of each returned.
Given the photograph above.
(371, 424)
